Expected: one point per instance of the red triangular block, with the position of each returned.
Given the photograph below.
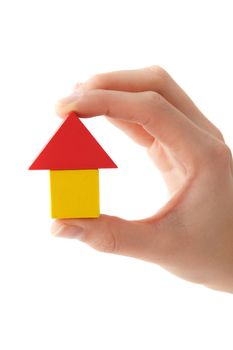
(72, 147)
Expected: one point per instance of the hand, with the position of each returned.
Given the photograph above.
(192, 235)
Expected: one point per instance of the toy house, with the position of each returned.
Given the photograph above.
(74, 158)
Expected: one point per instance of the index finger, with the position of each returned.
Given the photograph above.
(156, 79)
(149, 109)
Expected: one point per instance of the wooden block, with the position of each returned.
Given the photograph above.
(73, 157)
(74, 193)
(71, 148)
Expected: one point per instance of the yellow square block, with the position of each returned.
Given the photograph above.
(74, 193)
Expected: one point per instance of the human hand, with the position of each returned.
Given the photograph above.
(192, 235)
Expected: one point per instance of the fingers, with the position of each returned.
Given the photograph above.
(152, 79)
(149, 109)
(114, 235)
(134, 131)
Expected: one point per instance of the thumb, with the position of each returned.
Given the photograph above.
(139, 239)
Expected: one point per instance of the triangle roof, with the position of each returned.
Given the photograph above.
(71, 148)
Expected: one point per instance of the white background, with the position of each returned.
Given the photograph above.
(61, 294)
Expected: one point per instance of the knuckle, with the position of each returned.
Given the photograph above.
(97, 80)
(158, 70)
(160, 74)
(105, 243)
(219, 153)
(218, 134)
(152, 102)
(153, 99)
(225, 154)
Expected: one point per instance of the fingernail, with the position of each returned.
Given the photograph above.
(71, 98)
(67, 231)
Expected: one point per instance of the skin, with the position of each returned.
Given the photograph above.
(192, 235)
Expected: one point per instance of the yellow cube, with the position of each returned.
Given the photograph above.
(74, 193)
